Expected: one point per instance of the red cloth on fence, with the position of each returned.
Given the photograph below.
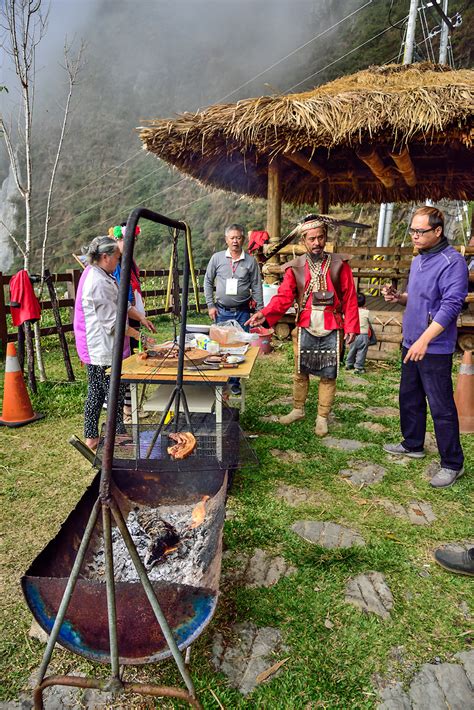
(23, 302)
(257, 240)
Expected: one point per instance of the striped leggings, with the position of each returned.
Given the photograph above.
(97, 390)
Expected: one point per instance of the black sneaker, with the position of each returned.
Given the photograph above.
(458, 561)
(235, 390)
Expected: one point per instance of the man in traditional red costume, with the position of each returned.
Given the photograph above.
(322, 288)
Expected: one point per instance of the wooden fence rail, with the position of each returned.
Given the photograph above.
(8, 333)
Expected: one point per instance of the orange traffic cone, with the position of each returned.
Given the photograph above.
(17, 409)
(464, 394)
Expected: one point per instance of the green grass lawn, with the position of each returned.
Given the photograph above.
(335, 667)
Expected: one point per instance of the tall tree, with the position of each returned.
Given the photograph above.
(24, 24)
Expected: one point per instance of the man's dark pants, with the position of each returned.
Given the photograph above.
(225, 314)
(430, 379)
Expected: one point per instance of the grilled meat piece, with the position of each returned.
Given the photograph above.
(185, 444)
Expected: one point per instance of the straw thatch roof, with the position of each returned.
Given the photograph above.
(344, 138)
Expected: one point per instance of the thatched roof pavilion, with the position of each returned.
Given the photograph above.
(387, 134)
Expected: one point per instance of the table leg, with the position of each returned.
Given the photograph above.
(134, 398)
(242, 395)
(218, 406)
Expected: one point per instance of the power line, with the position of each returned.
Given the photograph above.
(338, 59)
(106, 199)
(287, 56)
(123, 209)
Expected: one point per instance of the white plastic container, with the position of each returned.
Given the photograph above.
(269, 290)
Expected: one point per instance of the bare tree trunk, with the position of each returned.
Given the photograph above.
(73, 66)
(24, 24)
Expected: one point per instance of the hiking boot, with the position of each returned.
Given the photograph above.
(321, 428)
(292, 416)
(445, 477)
(458, 561)
(399, 450)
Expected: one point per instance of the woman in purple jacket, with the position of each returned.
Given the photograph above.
(437, 288)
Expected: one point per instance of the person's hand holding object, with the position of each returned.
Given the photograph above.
(148, 325)
(257, 319)
(390, 293)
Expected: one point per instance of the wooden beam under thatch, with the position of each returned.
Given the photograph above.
(309, 165)
(405, 166)
(425, 108)
(372, 159)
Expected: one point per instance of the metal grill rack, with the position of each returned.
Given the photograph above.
(219, 446)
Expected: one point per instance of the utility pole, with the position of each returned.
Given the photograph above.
(410, 37)
(444, 36)
(386, 209)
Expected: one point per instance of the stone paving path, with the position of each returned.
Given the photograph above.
(373, 427)
(288, 456)
(274, 418)
(435, 687)
(258, 570)
(352, 395)
(370, 593)
(302, 496)
(349, 406)
(383, 411)
(418, 512)
(363, 473)
(326, 534)
(283, 400)
(63, 698)
(248, 652)
(355, 381)
(343, 444)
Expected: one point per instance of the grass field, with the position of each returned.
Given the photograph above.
(332, 665)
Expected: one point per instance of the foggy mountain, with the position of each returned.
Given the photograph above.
(154, 58)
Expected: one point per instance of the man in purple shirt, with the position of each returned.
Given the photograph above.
(437, 287)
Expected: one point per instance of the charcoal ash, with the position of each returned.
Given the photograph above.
(186, 564)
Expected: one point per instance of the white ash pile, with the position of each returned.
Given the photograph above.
(176, 544)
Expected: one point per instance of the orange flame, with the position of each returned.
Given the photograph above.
(169, 550)
(199, 513)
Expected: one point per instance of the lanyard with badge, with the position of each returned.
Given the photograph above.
(232, 282)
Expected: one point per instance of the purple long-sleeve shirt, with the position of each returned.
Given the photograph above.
(437, 287)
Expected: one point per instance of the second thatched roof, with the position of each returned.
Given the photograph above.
(392, 133)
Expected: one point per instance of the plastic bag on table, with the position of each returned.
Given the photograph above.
(231, 332)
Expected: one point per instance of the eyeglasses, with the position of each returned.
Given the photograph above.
(420, 232)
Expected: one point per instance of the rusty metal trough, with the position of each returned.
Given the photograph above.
(188, 609)
(141, 619)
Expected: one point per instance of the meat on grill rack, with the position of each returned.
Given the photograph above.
(185, 444)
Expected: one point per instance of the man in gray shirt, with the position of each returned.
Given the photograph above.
(237, 279)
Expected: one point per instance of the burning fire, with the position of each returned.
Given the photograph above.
(199, 513)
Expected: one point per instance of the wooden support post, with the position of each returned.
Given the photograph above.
(274, 191)
(59, 326)
(323, 197)
(3, 318)
(20, 348)
(30, 356)
(72, 286)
